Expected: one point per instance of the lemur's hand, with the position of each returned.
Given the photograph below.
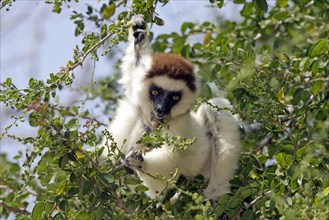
(134, 160)
(139, 28)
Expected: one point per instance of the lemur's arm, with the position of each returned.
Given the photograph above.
(138, 37)
(138, 53)
(139, 45)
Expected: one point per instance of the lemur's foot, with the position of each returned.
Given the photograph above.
(134, 160)
(139, 28)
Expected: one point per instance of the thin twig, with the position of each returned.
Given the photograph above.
(253, 202)
(14, 209)
(89, 51)
(59, 108)
(83, 104)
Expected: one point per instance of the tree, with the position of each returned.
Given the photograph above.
(274, 68)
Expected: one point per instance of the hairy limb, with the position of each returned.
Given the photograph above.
(138, 55)
(134, 160)
(157, 161)
(152, 167)
(138, 37)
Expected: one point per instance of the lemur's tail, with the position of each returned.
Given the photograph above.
(224, 135)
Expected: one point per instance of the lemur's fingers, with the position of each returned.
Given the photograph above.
(139, 28)
(139, 35)
(134, 160)
(138, 22)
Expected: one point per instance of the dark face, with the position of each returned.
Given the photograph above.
(163, 100)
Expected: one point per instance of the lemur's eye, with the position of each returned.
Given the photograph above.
(154, 92)
(175, 97)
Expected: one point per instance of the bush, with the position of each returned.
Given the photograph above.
(273, 66)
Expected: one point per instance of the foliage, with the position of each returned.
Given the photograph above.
(274, 68)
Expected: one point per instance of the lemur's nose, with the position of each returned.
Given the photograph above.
(160, 109)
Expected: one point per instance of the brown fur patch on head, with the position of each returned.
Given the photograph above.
(173, 66)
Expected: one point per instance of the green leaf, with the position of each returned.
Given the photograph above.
(261, 5)
(304, 63)
(224, 70)
(248, 215)
(63, 205)
(141, 188)
(220, 3)
(8, 81)
(219, 210)
(48, 207)
(99, 212)
(233, 202)
(326, 191)
(256, 162)
(285, 160)
(73, 191)
(73, 124)
(59, 121)
(34, 119)
(317, 87)
(14, 168)
(131, 181)
(186, 25)
(38, 210)
(86, 187)
(122, 15)
(281, 15)
(63, 161)
(58, 216)
(106, 179)
(109, 11)
(46, 179)
(57, 7)
(208, 92)
(119, 173)
(61, 187)
(320, 47)
(223, 199)
(247, 10)
(109, 178)
(75, 110)
(282, 3)
(207, 38)
(158, 21)
(246, 193)
(83, 215)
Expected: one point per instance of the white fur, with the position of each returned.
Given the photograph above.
(215, 158)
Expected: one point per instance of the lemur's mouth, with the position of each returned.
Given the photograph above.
(160, 116)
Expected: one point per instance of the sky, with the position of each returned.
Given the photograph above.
(35, 42)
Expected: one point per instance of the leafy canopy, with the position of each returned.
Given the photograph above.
(273, 66)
